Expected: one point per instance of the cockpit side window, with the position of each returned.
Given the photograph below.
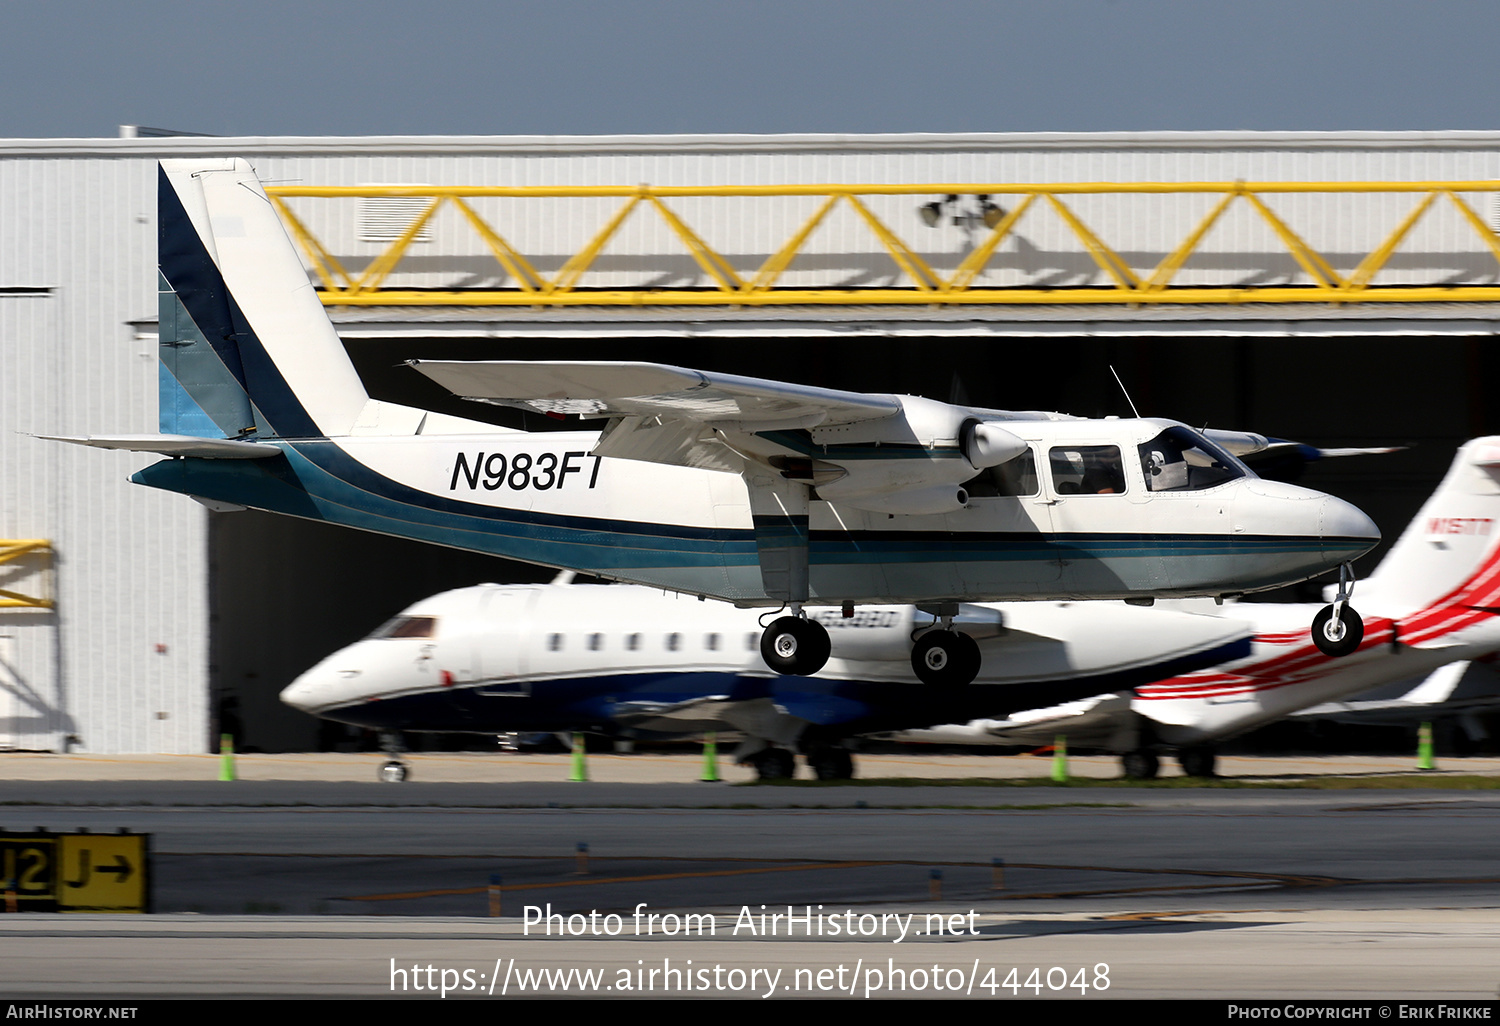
(1014, 477)
(408, 627)
(1087, 470)
(1179, 460)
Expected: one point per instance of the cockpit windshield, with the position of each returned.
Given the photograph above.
(408, 627)
(1179, 460)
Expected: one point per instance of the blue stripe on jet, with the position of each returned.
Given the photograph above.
(854, 706)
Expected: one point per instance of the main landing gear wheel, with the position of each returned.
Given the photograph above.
(795, 645)
(831, 763)
(773, 764)
(1140, 765)
(945, 658)
(394, 772)
(1337, 637)
(1197, 762)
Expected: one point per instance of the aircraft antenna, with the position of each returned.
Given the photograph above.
(1133, 411)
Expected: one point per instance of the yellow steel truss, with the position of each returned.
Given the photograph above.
(12, 551)
(926, 286)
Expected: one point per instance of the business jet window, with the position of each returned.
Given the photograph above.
(674, 641)
(408, 627)
(1015, 477)
(1087, 470)
(1177, 460)
(596, 642)
(554, 642)
(711, 642)
(632, 642)
(752, 642)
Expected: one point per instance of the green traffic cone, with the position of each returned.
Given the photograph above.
(710, 759)
(226, 757)
(580, 766)
(1424, 747)
(1060, 760)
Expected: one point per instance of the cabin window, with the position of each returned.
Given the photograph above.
(1087, 470)
(632, 642)
(752, 642)
(596, 642)
(674, 642)
(711, 642)
(1179, 460)
(554, 642)
(408, 627)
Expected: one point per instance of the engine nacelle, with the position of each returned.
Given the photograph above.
(986, 444)
(913, 464)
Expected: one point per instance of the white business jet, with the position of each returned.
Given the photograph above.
(634, 662)
(760, 493)
(1434, 600)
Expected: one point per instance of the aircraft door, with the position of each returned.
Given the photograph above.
(500, 634)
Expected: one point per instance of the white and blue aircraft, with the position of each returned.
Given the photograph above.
(1433, 602)
(760, 493)
(621, 660)
(627, 661)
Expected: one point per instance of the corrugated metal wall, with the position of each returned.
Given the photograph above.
(122, 663)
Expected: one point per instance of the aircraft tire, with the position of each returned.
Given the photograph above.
(774, 764)
(945, 658)
(1351, 634)
(1140, 765)
(1197, 762)
(831, 763)
(795, 645)
(394, 772)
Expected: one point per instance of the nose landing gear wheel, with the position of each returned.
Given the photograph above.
(393, 772)
(795, 645)
(1339, 637)
(945, 658)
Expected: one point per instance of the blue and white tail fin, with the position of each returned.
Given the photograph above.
(247, 350)
(1449, 549)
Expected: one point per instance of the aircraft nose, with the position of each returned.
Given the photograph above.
(1339, 521)
(302, 693)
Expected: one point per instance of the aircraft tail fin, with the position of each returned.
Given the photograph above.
(246, 348)
(1450, 553)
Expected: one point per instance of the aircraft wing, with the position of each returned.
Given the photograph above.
(624, 389)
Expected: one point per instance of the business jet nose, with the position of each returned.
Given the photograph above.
(303, 693)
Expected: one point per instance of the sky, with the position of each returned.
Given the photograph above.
(563, 67)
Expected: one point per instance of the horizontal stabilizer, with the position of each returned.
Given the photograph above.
(175, 445)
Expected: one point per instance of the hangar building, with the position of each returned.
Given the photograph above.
(1345, 295)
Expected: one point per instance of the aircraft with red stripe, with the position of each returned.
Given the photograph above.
(1434, 599)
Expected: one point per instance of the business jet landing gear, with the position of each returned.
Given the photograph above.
(944, 657)
(773, 764)
(795, 645)
(393, 771)
(1197, 762)
(1337, 630)
(1140, 764)
(829, 762)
